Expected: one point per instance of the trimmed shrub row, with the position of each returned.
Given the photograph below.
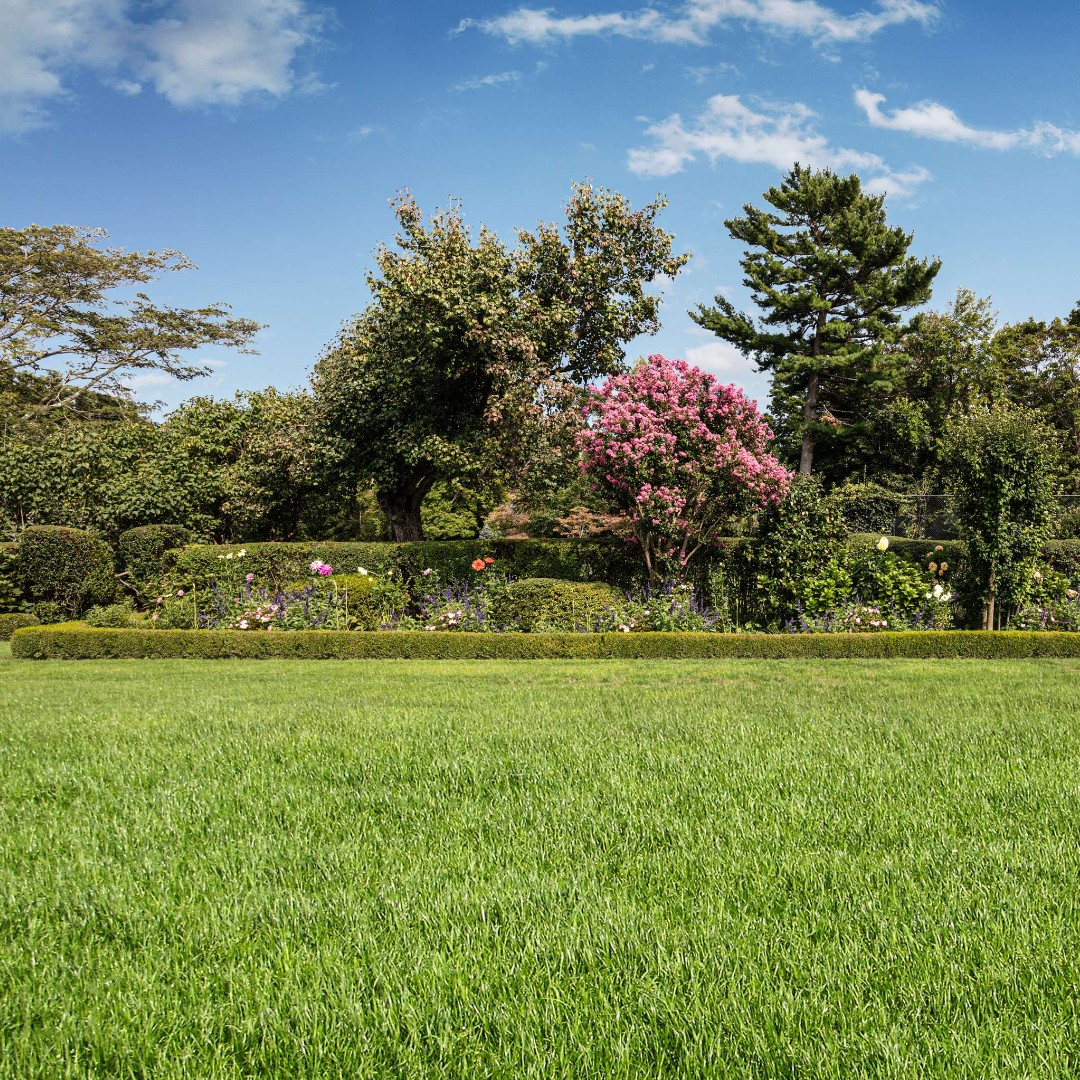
(75, 641)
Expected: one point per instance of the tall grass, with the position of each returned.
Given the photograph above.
(723, 869)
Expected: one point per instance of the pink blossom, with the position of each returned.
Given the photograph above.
(179, 592)
(679, 453)
(249, 578)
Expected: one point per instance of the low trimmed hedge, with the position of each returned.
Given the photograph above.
(76, 641)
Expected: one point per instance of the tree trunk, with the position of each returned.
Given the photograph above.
(810, 411)
(402, 509)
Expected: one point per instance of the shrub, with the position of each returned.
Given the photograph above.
(71, 568)
(149, 552)
(75, 641)
(12, 621)
(115, 616)
(869, 507)
(543, 604)
(801, 546)
(48, 611)
(11, 593)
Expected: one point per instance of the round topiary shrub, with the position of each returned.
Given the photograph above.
(11, 622)
(538, 604)
(70, 568)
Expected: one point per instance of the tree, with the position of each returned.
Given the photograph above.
(468, 345)
(63, 341)
(681, 454)
(999, 463)
(832, 279)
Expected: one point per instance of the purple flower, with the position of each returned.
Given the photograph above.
(325, 570)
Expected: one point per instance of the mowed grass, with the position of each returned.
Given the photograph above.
(540, 869)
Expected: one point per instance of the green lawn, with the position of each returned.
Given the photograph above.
(540, 869)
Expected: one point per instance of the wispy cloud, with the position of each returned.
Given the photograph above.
(501, 78)
(770, 134)
(193, 52)
(931, 120)
(693, 21)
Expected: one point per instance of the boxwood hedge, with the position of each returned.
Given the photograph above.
(76, 641)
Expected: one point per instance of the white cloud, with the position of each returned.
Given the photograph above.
(774, 134)
(931, 120)
(499, 79)
(195, 52)
(694, 21)
(720, 358)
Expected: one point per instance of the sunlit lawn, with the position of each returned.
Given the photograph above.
(537, 869)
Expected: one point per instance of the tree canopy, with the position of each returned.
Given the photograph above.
(468, 344)
(65, 340)
(832, 280)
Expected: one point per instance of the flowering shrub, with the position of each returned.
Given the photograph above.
(680, 453)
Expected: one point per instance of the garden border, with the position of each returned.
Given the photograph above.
(76, 641)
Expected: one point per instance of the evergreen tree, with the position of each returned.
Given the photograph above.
(831, 279)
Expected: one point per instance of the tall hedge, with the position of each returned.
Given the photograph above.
(12, 597)
(69, 567)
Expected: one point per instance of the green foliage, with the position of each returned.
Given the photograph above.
(467, 345)
(868, 507)
(115, 616)
(75, 641)
(832, 280)
(148, 553)
(11, 592)
(999, 463)
(538, 605)
(12, 621)
(891, 582)
(69, 567)
(801, 543)
(60, 326)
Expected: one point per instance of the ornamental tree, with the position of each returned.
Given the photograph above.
(66, 339)
(680, 453)
(469, 347)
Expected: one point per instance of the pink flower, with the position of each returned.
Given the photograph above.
(325, 570)
(427, 572)
(179, 592)
(155, 616)
(249, 578)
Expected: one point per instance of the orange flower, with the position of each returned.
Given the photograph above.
(478, 564)
(488, 561)
(933, 567)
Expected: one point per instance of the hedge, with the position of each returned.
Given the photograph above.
(76, 641)
(71, 568)
(11, 622)
(550, 604)
(11, 593)
(148, 553)
(277, 564)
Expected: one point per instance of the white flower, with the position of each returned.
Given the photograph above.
(241, 553)
(937, 591)
(883, 543)
(361, 570)
(229, 556)
(946, 597)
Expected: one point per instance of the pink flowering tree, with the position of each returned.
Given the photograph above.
(680, 453)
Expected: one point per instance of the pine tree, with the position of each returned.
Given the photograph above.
(831, 279)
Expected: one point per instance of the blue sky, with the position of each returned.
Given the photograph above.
(264, 138)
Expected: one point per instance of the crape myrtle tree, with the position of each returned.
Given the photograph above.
(468, 345)
(67, 346)
(680, 454)
(831, 279)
